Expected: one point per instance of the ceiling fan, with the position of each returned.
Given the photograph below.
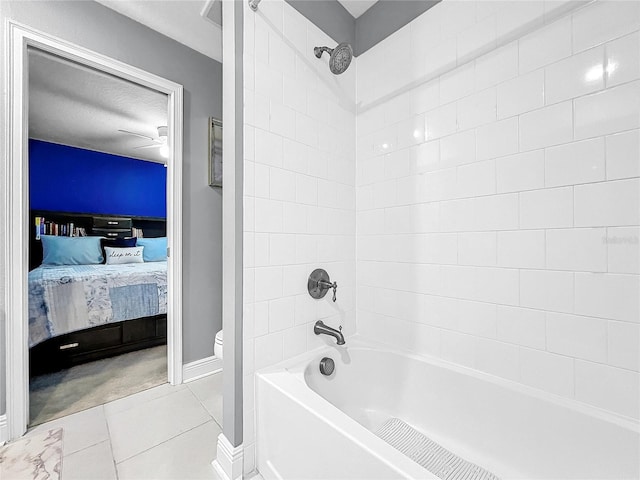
(160, 142)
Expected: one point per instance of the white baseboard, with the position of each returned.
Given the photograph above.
(201, 368)
(4, 429)
(228, 462)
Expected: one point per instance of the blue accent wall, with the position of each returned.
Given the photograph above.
(70, 179)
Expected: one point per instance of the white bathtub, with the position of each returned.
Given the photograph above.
(312, 426)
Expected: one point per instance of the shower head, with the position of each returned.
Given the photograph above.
(340, 57)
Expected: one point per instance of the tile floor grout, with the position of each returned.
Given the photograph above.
(147, 436)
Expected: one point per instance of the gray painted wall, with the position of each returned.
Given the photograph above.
(95, 27)
(386, 17)
(381, 20)
(330, 16)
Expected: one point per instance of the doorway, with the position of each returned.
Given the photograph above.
(21, 39)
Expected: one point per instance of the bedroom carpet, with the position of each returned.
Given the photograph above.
(55, 395)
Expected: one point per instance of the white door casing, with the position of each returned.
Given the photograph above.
(19, 39)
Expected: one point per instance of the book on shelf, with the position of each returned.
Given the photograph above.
(48, 227)
(137, 232)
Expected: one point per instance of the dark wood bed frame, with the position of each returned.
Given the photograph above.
(104, 341)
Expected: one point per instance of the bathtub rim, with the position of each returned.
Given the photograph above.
(296, 366)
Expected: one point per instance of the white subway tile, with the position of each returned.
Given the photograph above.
(624, 345)
(495, 212)
(611, 111)
(306, 130)
(436, 59)
(269, 280)
(282, 249)
(261, 318)
(603, 21)
(476, 179)
(478, 39)
(262, 180)
(523, 171)
(613, 204)
(497, 358)
(607, 387)
(305, 309)
(317, 108)
(623, 60)
(306, 189)
(294, 341)
(574, 163)
(546, 45)
(497, 66)
(282, 120)
(424, 97)
(396, 164)
(295, 156)
(282, 185)
(604, 295)
(269, 215)
(458, 149)
(268, 148)
(623, 249)
(497, 139)
(457, 347)
(623, 152)
(261, 250)
(521, 326)
(411, 131)
(547, 371)
(516, 17)
(268, 350)
(477, 109)
(424, 157)
(548, 208)
(269, 83)
(457, 84)
(575, 76)
(295, 218)
(521, 94)
(578, 249)
(521, 249)
(441, 121)
(281, 314)
(545, 127)
(478, 248)
(578, 337)
(547, 290)
(497, 285)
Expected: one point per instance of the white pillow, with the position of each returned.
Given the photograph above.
(118, 256)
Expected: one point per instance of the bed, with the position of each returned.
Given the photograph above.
(81, 313)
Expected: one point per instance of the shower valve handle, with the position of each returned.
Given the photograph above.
(327, 285)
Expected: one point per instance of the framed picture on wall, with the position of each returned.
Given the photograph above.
(215, 152)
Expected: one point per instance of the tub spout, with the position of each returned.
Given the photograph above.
(321, 329)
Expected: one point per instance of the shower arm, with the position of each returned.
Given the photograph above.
(318, 51)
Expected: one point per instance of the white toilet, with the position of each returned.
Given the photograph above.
(217, 345)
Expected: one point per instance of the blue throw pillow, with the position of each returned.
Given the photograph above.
(71, 250)
(155, 249)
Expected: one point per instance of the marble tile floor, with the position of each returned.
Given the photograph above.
(167, 432)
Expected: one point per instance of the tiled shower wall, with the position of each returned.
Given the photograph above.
(498, 193)
(299, 199)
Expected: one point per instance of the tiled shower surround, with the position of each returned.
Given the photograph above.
(495, 157)
(300, 196)
(498, 202)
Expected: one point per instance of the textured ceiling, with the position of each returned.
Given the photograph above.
(74, 105)
(181, 20)
(357, 7)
